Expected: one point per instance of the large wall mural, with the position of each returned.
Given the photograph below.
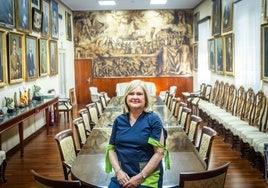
(146, 43)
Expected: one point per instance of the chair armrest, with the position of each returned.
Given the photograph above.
(67, 164)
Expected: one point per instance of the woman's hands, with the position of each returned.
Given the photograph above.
(127, 182)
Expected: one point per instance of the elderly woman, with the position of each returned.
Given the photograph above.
(136, 145)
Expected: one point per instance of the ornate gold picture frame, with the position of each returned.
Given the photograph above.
(3, 59)
(53, 59)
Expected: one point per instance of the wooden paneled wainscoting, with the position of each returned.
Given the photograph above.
(41, 154)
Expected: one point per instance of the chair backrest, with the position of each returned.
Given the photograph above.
(84, 113)
(247, 112)
(93, 112)
(185, 118)
(42, 182)
(205, 145)
(99, 108)
(67, 148)
(81, 131)
(258, 111)
(151, 88)
(207, 94)
(173, 90)
(178, 110)
(212, 178)
(94, 94)
(72, 96)
(232, 93)
(193, 128)
(103, 101)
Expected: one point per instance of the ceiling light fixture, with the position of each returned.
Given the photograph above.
(103, 3)
(158, 2)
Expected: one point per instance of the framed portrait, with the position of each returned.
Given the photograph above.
(195, 52)
(265, 9)
(31, 58)
(36, 4)
(264, 52)
(216, 17)
(37, 20)
(3, 59)
(196, 19)
(227, 15)
(68, 20)
(219, 55)
(53, 57)
(16, 57)
(43, 57)
(54, 20)
(45, 18)
(211, 54)
(228, 58)
(23, 16)
(7, 13)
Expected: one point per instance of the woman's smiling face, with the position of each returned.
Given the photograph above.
(136, 98)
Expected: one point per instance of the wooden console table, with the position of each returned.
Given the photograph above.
(20, 115)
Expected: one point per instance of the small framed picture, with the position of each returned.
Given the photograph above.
(211, 54)
(24, 15)
(43, 57)
(45, 19)
(219, 55)
(53, 59)
(264, 52)
(55, 20)
(228, 46)
(16, 60)
(7, 15)
(3, 59)
(68, 19)
(31, 58)
(36, 4)
(37, 20)
(195, 52)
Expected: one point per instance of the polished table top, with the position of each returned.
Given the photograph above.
(89, 166)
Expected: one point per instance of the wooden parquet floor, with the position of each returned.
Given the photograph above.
(41, 154)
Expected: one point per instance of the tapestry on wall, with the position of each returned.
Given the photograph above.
(135, 43)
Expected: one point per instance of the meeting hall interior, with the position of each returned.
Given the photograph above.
(65, 66)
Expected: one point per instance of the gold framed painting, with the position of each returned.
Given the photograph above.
(228, 54)
(3, 59)
(24, 15)
(31, 58)
(211, 54)
(16, 59)
(227, 15)
(54, 19)
(264, 52)
(45, 18)
(43, 57)
(53, 57)
(219, 55)
(216, 17)
(7, 13)
(37, 20)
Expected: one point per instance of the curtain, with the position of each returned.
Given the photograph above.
(247, 15)
(203, 36)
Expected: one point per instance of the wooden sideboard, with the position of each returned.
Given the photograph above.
(17, 117)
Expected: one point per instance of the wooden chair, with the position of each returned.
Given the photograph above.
(178, 110)
(103, 101)
(46, 182)
(185, 118)
(193, 128)
(205, 144)
(212, 178)
(66, 107)
(81, 131)
(72, 96)
(67, 148)
(93, 113)
(84, 113)
(99, 108)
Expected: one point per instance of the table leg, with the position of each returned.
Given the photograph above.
(21, 138)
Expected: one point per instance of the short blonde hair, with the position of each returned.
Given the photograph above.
(132, 85)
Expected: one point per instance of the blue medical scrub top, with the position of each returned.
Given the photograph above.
(131, 142)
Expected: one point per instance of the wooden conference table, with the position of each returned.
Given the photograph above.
(89, 166)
